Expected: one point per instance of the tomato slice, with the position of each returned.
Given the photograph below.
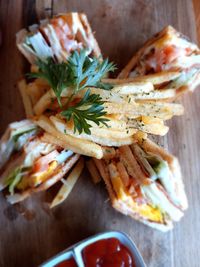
(42, 163)
(159, 58)
(64, 34)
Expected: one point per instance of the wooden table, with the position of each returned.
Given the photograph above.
(121, 28)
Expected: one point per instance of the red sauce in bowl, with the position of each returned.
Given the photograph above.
(67, 263)
(107, 253)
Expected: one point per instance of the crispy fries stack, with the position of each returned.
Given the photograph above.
(130, 107)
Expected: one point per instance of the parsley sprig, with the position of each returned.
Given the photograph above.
(56, 74)
(77, 73)
(85, 72)
(90, 108)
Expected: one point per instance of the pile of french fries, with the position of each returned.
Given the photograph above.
(133, 106)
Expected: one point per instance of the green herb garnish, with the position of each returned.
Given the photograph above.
(56, 74)
(90, 108)
(79, 72)
(86, 72)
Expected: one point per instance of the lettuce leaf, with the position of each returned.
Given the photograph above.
(15, 177)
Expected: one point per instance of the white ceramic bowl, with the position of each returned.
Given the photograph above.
(75, 251)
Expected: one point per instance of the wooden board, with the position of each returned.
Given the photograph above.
(121, 28)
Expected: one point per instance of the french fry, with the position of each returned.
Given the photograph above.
(131, 164)
(25, 98)
(68, 184)
(140, 136)
(48, 138)
(109, 152)
(123, 173)
(77, 145)
(157, 78)
(42, 83)
(109, 95)
(158, 110)
(113, 123)
(112, 134)
(124, 88)
(133, 88)
(111, 107)
(157, 95)
(96, 177)
(34, 68)
(102, 168)
(35, 91)
(44, 102)
(148, 125)
(47, 100)
(117, 182)
(151, 120)
(51, 139)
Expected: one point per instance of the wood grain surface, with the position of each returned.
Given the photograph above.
(29, 238)
(196, 5)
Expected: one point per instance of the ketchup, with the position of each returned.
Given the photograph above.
(67, 263)
(107, 253)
